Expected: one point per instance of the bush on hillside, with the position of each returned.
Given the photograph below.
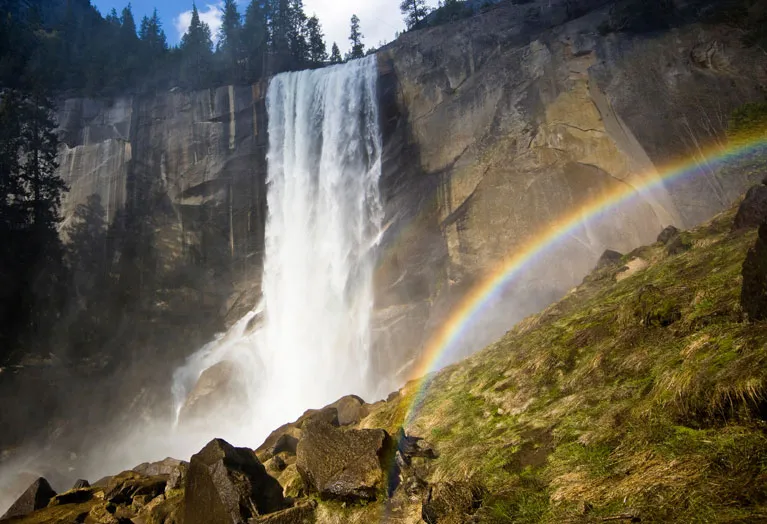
(640, 16)
(747, 123)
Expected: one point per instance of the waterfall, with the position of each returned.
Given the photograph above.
(324, 221)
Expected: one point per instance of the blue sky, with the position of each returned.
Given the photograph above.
(380, 19)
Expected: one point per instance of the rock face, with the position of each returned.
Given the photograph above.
(192, 163)
(228, 485)
(35, 497)
(499, 125)
(753, 211)
(753, 296)
(345, 465)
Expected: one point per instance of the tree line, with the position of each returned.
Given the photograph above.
(75, 50)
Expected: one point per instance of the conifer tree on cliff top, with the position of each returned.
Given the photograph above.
(230, 45)
(335, 55)
(415, 12)
(197, 52)
(355, 37)
(318, 52)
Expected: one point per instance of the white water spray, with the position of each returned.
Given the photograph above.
(324, 222)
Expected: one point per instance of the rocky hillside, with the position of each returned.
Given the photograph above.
(639, 397)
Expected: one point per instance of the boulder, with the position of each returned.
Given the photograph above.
(609, 258)
(284, 438)
(753, 209)
(123, 488)
(177, 477)
(299, 514)
(291, 482)
(275, 465)
(678, 245)
(451, 503)
(153, 469)
(228, 485)
(35, 497)
(81, 484)
(350, 410)
(411, 446)
(328, 414)
(74, 496)
(345, 465)
(667, 235)
(218, 392)
(753, 295)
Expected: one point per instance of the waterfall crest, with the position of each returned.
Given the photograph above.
(324, 222)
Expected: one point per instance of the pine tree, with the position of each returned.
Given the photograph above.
(415, 12)
(318, 52)
(355, 37)
(230, 40)
(152, 35)
(38, 168)
(128, 46)
(279, 27)
(297, 34)
(255, 38)
(197, 52)
(42, 290)
(335, 55)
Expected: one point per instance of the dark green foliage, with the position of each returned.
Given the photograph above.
(639, 16)
(73, 49)
(31, 267)
(747, 123)
(196, 53)
(318, 52)
(746, 17)
(230, 42)
(335, 55)
(355, 37)
(754, 293)
(415, 12)
(255, 38)
(450, 11)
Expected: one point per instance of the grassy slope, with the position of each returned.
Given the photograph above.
(642, 397)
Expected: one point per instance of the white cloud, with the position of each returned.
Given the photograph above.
(211, 15)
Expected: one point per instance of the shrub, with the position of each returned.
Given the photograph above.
(747, 123)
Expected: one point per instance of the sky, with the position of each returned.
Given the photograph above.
(379, 19)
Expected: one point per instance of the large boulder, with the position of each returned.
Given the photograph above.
(753, 295)
(451, 503)
(609, 258)
(153, 469)
(350, 410)
(228, 485)
(667, 235)
(753, 209)
(345, 465)
(35, 497)
(123, 488)
(219, 392)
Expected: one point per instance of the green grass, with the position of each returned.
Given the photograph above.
(644, 397)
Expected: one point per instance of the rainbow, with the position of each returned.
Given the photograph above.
(444, 341)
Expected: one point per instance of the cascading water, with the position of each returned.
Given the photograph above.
(323, 225)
